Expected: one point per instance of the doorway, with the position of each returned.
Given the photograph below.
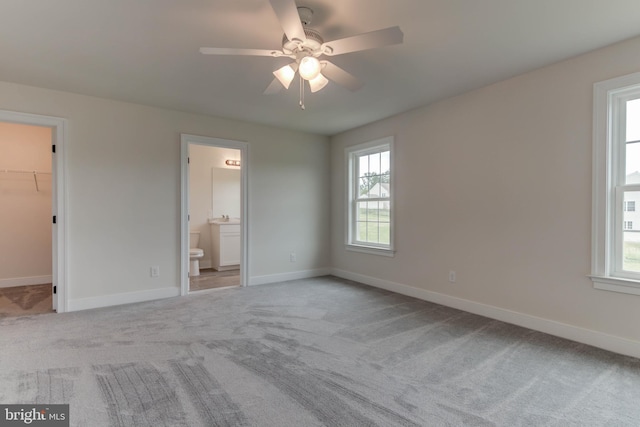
(214, 213)
(32, 270)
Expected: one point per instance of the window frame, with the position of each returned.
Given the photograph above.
(609, 186)
(352, 153)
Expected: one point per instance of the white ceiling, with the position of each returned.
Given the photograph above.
(146, 51)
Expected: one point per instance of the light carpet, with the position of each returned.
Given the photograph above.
(317, 352)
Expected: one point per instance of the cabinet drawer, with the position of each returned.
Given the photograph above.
(229, 228)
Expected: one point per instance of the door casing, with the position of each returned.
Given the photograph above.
(58, 128)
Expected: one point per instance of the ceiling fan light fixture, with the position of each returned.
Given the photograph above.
(309, 68)
(285, 75)
(305, 45)
(318, 83)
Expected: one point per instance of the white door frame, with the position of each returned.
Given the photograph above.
(58, 127)
(185, 140)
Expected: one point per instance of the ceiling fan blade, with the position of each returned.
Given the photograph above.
(287, 13)
(340, 76)
(274, 87)
(379, 38)
(232, 51)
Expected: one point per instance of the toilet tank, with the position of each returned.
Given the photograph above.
(194, 239)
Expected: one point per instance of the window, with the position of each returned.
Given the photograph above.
(370, 205)
(616, 185)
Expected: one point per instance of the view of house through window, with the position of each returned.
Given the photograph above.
(373, 217)
(631, 217)
(370, 195)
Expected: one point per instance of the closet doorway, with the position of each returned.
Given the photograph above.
(31, 214)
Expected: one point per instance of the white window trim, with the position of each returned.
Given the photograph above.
(605, 222)
(350, 227)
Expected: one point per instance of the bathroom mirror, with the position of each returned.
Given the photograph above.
(225, 191)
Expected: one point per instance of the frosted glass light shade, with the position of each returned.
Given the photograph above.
(309, 68)
(285, 75)
(318, 83)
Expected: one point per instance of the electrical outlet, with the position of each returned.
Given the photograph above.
(155, 271)
(292, 257)
(452, 276)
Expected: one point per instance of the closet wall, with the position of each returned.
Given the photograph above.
(25, 212)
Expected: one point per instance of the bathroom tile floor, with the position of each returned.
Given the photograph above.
(210, 279)
(25, 300)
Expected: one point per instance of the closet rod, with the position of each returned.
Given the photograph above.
(34, 172)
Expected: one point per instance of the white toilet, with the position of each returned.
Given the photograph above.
(195, 253)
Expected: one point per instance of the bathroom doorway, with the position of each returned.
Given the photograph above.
(214, 220)
(32, 214)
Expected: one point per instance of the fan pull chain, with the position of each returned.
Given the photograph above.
(301, 93)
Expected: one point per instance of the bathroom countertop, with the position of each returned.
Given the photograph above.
(230, 221)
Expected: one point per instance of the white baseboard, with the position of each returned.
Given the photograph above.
(23, 281)
(132, 297)
(124, 298)
(586, 336)
(284, 277)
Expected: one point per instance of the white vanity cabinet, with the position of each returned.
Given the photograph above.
(225, 242)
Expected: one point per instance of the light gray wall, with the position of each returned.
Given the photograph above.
(496, 185)
(123, 163)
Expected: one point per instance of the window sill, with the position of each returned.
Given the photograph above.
(616, 284)
(370, 250)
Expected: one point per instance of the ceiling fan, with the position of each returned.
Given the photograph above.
(305, 45)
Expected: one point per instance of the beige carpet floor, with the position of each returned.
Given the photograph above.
(307, 353)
